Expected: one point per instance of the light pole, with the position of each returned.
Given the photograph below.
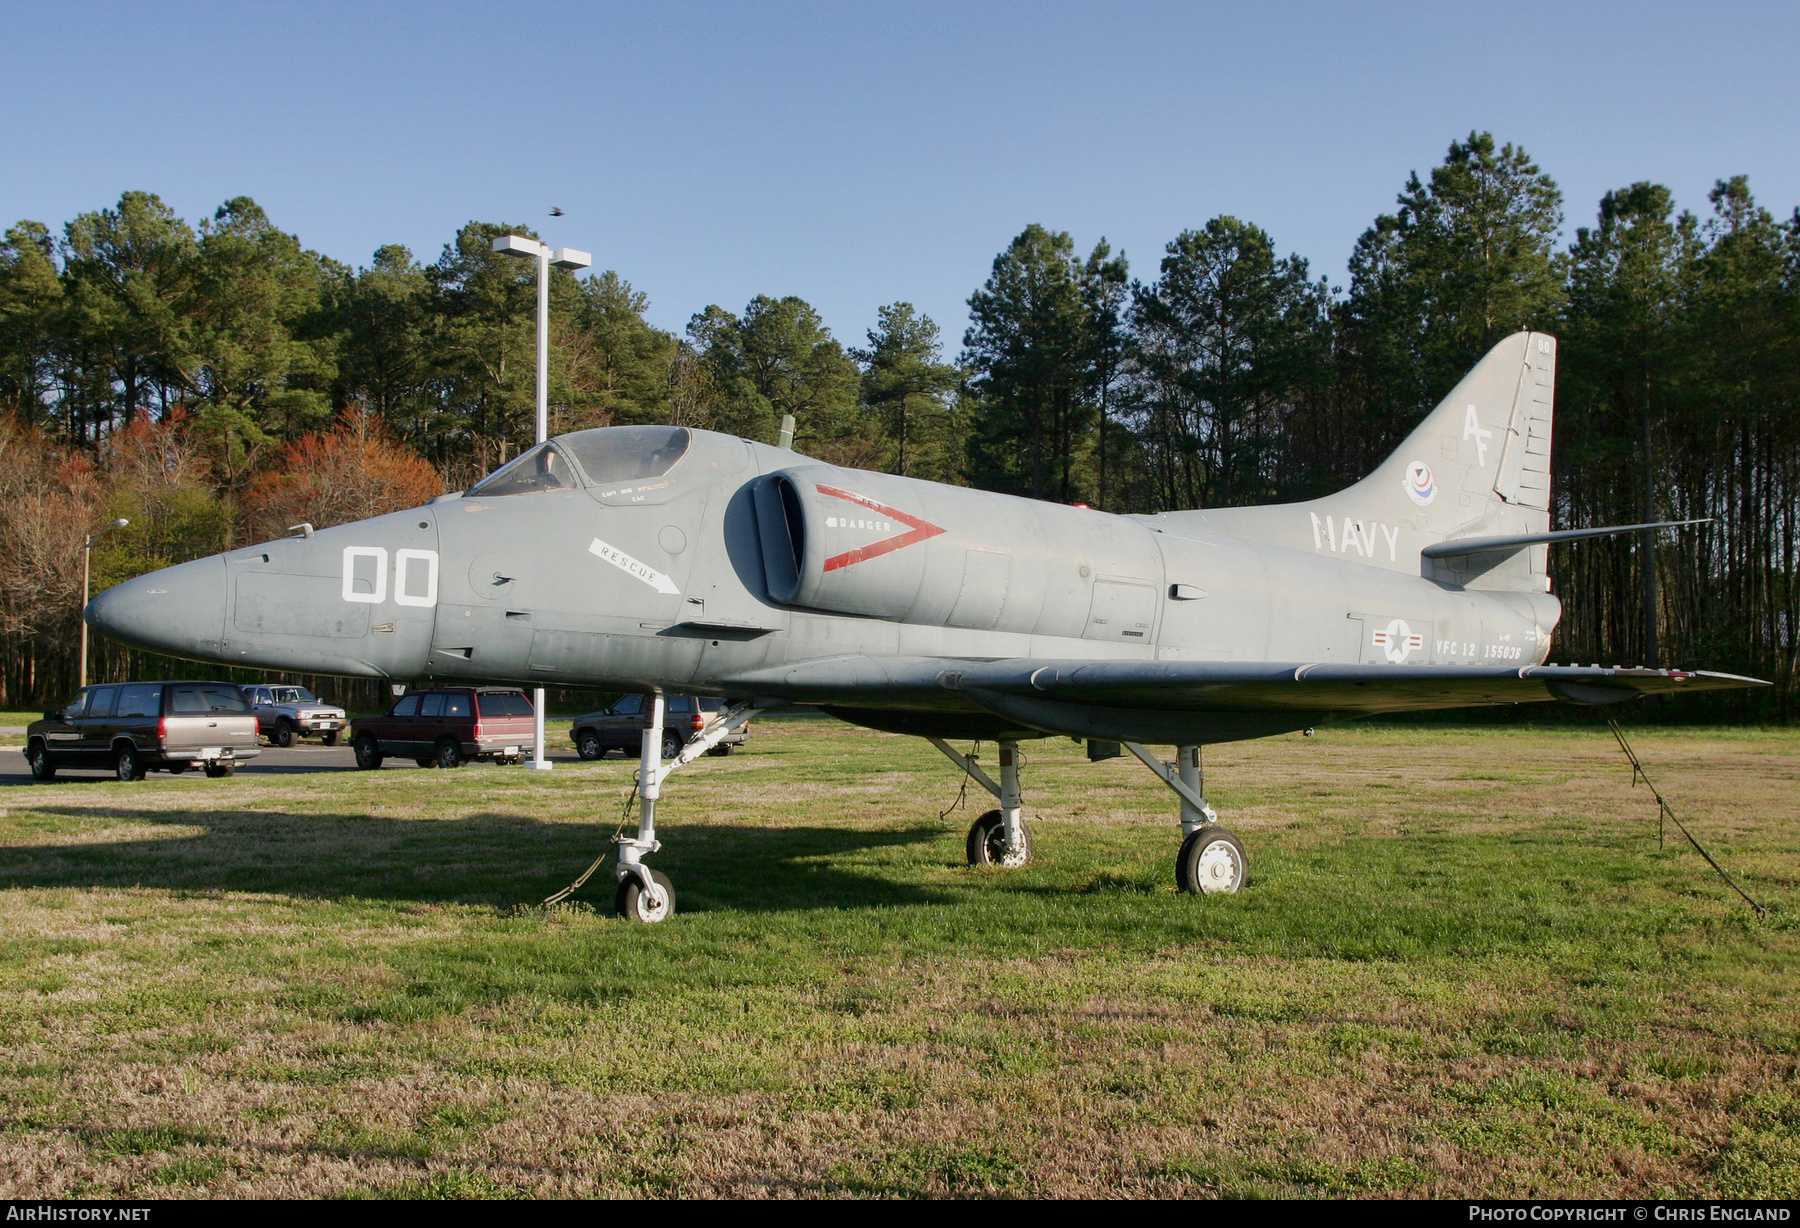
(562, 258)
(87, 548)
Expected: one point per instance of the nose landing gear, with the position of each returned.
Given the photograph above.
(644, 894)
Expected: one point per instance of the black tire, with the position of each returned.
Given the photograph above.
(986, 845)
(1211, 862)
(427, 761)
(721, 750)
(128, 764)
(218, 771)
(329, 739)
(368, 752)
(671, 745)
(589, 746)
(449, 754)
(631, 902)
(284, 733)
(43, 767)
(176, 769)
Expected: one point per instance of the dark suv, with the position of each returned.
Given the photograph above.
(621, 727)
(138, 727)
(447, 727)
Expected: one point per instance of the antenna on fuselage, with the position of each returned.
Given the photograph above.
(787, 432)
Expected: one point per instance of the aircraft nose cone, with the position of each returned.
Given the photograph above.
(179, 610)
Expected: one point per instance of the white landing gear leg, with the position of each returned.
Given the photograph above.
(644, 894)
(1211, 861)
(999, 837)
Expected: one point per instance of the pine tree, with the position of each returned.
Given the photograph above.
(1030, 346)
(910, 390)
(1226, 337)
(32, 307)
(1629, 283)
(1467, 259)
(779, 358)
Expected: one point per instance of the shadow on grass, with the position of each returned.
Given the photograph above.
(493, 859)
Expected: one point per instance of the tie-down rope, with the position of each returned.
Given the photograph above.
(1665, 812)
(579, 883)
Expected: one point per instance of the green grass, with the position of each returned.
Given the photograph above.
(1463, 967)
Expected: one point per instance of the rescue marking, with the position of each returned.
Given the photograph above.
(631, 567)
(921, 529)
(1398, 641)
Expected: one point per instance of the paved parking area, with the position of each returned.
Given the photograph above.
(273, 761)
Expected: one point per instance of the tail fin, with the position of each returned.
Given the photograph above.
(1480, 462)
(1477, 466)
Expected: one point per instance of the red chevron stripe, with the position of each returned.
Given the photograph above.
(921, 529)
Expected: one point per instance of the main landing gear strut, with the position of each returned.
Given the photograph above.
(644, 894)
(1211, 861)
(999, 837)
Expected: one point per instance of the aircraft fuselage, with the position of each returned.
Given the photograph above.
(743, 563)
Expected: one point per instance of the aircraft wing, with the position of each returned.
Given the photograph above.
(1359, 688)
(1204, 700)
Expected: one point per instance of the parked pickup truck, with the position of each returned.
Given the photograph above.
(446, 728)
(621, 727)
(284, 713)
(138, 727)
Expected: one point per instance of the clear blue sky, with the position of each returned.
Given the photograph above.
(857, 154)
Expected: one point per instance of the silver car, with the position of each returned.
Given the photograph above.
(284, 713)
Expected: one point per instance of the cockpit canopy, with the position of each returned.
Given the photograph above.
(604, 456)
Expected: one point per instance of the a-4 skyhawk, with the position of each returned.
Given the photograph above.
(659, 559)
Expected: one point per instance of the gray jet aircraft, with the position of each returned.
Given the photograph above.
(657, 558)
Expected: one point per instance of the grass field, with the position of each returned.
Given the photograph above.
(1463, 967)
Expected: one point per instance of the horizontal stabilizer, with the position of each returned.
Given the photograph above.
(1484, 545)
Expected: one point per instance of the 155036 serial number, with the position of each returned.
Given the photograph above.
(1491, 652)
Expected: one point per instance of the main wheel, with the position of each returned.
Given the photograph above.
(284, 733)
(449, 754)
(127, 763)
(987, 842)
(176, 769)
(329, 739)
(671, 746)
(43, 767)
(1211, 862)
(589, 745)
(426, 761)
(220, 770)
(635, 904)
(722, 749)
(368, 752)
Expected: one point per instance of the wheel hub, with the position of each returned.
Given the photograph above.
(1218, 866)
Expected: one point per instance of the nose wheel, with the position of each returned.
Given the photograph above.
(635, 902)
